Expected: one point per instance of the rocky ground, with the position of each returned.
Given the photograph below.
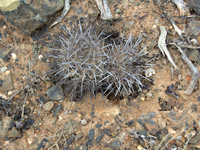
(155, 119)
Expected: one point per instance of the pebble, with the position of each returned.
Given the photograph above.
(55, 93)
(79, 11)
(98, 125)
(0, 36)
(1, 81)
(14, 133)
(70, 127)
(79, 136)
(98, 139)
(4, 126)
(91, 135)
(7, 83)
(115, 144)
(57, 110)
(48, 106)
(147, 118)
(198, 98)
(129, 123)
(107, 131)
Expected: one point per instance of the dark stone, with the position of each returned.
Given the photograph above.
(70, 127)
(129, 123)
(115, 144)
(106, 122)
(194, 108)
(91, 134)
(30, 15)
(98, 125)
(1, 81)
(57, 110)
(45, 140)
(40, 146)
(79, 11)
(92, 114)
(55, 93)
(69, 142)
(198, 98)
(195, 4)
(40, 33)
(6, 58)
(147, 118)
(98, 139)
(194, 28)
(2, 23)
(143, 132)
(0, 36)
(108, 132)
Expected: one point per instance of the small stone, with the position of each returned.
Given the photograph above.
(69, 142)
(193, 54)
(141, 97)
(91, 135)
(115, 144)
(79, 11)
(149, 95)
(70, 127)
(198, 98)
(57, 110)
(129, 123)
(1, 81)
(0, 36)
(7, 83)
(98, 125)
(79, 136)
(14, 133)
(4, 126)
(48, 106)
(55, 93)
(108, 132)
(98, 139)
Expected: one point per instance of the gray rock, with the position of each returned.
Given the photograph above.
(108, 132)
(57, 110)
(55, 93)
(48, 106)
(115, 144)
(147, 118)
(70, 127)
(7, 83)
(194, 28)
(79, 11)
(192, 54)
(98, 139)
(0, 36)
(4, 126)
(195, 4)
(29, 15)
(78, 136)
(91, 135)
(14, 133)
